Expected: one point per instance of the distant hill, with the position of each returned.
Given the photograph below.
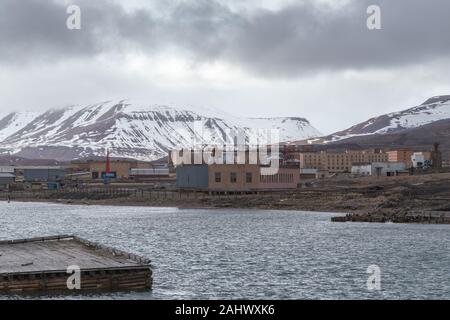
(128, 130)
(432, 110)
(418, 127)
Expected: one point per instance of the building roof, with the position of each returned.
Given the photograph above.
(76, 174)
(7, 169)
(41, 168)
(388, 163)
(146, 171)
(6, 175)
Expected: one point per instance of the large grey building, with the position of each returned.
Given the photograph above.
(41, 174)
(192, 176)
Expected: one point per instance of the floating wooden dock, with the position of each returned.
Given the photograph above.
(41, 265)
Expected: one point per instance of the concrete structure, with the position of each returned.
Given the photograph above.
(192, 176)
(387, 169)
(119, 169)
(40, 174)
(150, 174)
(380, 169)
(307, 173)
(336, 162)
(362, 169)
(401, 155)
(39, 177)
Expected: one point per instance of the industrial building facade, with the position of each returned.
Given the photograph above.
(379, 169)
(339, 161)
(33, 177)
(235, 177)
(119, 170)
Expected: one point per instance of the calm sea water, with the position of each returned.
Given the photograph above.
(254, 254)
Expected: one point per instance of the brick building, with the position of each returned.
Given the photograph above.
(236, 177)
(336, 162)
(401, 155)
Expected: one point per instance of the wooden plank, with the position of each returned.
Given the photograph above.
(40, 264)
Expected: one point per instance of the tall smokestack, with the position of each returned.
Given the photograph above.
(108, 163)
(436, 146)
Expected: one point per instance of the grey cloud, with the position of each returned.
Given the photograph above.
(307, 38)
(295, 40)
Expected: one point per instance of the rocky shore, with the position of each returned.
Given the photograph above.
(412, 199)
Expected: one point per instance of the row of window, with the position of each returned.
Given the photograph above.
(338, 168)
(277, 178)
(233, 177)
(346, 157)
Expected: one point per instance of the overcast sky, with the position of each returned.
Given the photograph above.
(313, 59)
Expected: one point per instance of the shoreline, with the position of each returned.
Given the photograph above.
(121, 203)
(408, 199)
(346, 215)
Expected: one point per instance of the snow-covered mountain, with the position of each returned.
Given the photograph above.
(129, 130)
(432, 110)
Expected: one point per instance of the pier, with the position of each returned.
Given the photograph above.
(41, 265)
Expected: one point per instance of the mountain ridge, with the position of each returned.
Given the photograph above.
(433, 109)
(417, 128)
(144, 132)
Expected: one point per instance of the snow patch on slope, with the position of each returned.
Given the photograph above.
(15, 121)
(434, 109)
(141, 131)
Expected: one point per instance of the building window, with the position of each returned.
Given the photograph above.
(233, 177)
(248, 177)
(217, 177)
